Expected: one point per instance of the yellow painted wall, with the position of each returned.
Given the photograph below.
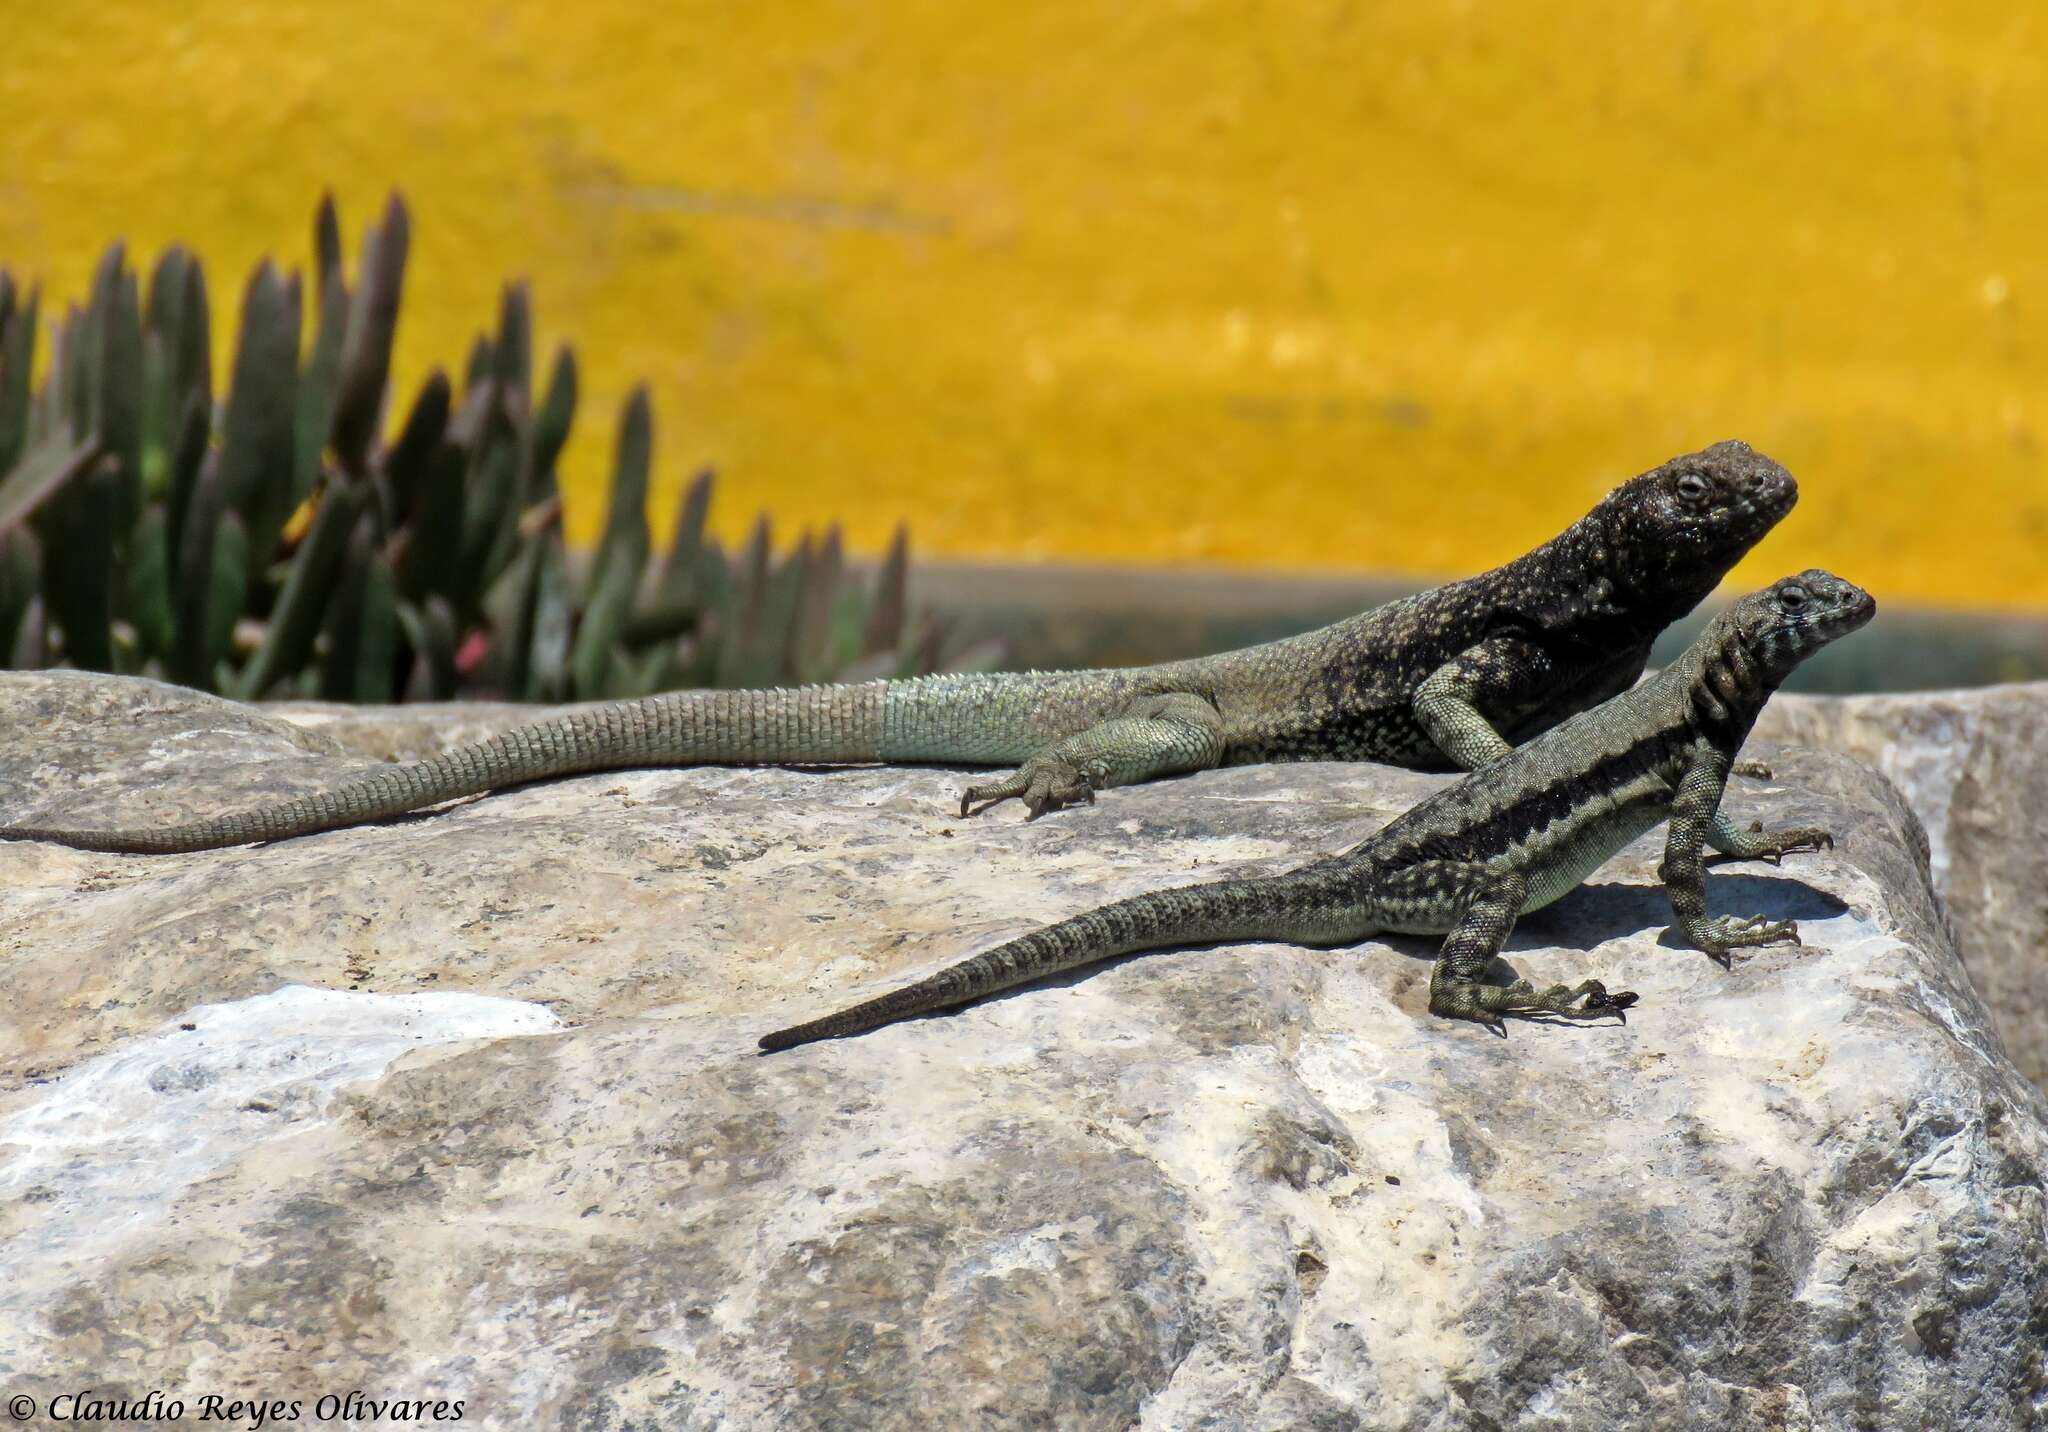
(1328, 284)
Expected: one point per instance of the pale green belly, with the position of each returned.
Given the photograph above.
(1574, 853)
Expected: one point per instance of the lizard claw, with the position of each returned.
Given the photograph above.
(1600, 1001)
(1564, 1000)
(1043, 783)
(1721, 937)
(1055, 783)
(1490, 1004)
(1792, 842)
(1754, 769)
(989, 795)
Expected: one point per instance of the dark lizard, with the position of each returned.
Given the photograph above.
(1441, 680)
(1508, 838)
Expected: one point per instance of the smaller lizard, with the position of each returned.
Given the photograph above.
(1447, 678)
(1508, 838)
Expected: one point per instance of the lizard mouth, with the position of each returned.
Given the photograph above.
(1774, 494)
(1854, 613)
(1768, 495)
(1831, 609)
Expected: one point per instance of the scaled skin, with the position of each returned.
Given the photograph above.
(1509, 838)
(1445, 679)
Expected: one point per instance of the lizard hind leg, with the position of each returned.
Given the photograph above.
(1155, 736)
(1483, 905)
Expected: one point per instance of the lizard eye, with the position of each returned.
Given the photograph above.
(1792, 598)
(1693, 488)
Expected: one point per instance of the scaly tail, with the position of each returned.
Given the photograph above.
(812, 723)
(1308, 907)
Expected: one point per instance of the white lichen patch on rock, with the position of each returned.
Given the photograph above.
(1247, 1186)
(97, 1158)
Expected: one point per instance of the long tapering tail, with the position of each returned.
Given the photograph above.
(1307, 906)
(812, 723)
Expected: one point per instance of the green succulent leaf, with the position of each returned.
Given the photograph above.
(432, 533)
(17, 366)
(257, 439)
(80, 523)
(812, 656)
(677, 586)
(430, 630)
(549, 430)
(366, 350)
(31, 648)
(191, 348)
(226, 586)
(21, 582)
(191, 545)
(598, 632)
(513, 365)
(739, 617)
(362, 622)
(482, 367)
(117, 382)
(302, 604)
(407, 463)
(490, 518)
(318, 387)
(148, 584)
(186, 460)
(47, 469)
(625, 540)
(553, 624)
(327, 273)
(886, 617)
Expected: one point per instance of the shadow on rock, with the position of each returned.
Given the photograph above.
(1595, 913)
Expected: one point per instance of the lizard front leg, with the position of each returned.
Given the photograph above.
(1693, 811)
(1487, 903)
(1501, 671)
(1156, 736)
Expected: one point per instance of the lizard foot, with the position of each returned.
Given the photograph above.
(1488, 1003)
(1043, 783)
(1780, 843)
(1564, 1000)
(1754, 769)
(1726, 933)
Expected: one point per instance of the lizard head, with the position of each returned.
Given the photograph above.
(1678, 528)
(1795, 617)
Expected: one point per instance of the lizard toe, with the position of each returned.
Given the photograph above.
(1731, 932)
(1600, 1000)
(976, 799)
(1050, 784)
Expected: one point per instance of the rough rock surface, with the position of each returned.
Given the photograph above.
(1974, 766)
(466, 1107)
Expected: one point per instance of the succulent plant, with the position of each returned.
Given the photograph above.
(274, 543)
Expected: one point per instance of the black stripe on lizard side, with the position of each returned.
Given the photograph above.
(1517, 818)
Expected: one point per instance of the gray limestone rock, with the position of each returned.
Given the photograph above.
(1974, 765)
(465, 1107)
